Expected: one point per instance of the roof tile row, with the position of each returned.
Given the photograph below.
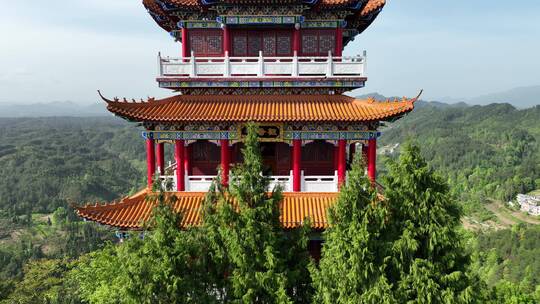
(260, 108)
(133, 212)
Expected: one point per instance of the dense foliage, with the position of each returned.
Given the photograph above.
(262, 263)
(511, 255)
(428, 259)
(162, 265)
(46, 163)
(405, 249)
(484, 151)
(355, 254)
(239, 255)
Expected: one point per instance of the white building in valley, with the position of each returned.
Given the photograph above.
(529, 204)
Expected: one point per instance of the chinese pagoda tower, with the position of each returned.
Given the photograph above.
(278, 63)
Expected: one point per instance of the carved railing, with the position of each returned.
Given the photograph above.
(310, 183)
(258, 67)
(320, 183)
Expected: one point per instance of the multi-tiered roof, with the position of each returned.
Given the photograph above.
(278, 63)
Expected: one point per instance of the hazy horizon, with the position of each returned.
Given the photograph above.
(453, 50)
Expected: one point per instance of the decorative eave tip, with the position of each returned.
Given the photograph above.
(418, 96)
(116, 99)
(108, 101)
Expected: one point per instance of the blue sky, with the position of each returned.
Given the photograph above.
(59, 50)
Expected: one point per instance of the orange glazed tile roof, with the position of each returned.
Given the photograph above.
(260, 108)
(132, 212)
(372, 6)
(151, 4)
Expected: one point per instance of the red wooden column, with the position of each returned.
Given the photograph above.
(296, 166)
(150, 161)
(225, 161)
(226, 40)
(339, 41)
(161, 158)
(180, 169)
(185, 43)
(372, 159)
(296, 39)
(342, 161)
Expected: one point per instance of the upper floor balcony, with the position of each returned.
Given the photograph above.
(261, 71)
(309, 183)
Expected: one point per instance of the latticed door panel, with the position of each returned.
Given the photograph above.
(271, 43)
(206, 42)
(310, 44)
(254, 43)
(327, 42)
(239, 44)
(284, 44)
(318, 42)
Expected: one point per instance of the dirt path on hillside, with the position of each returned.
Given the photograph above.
(493, 207)
(507, 215)
(525, 218)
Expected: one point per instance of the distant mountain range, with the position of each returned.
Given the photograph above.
(58, 108)
(523, 97)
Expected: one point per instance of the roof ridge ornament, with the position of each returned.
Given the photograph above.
(418, 96)
(106, 99)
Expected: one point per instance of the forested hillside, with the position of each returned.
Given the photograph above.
(485, 151)
(46, 163)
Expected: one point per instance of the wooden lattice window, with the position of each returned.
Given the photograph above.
(270, 42)
(206, 42)
(284, 44)
(318, 42)
(310, 44)
(239, 45)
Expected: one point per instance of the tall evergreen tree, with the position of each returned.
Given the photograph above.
(354, 255)
(261, 263)
(400, 248)
(168, 266)
(429, 263)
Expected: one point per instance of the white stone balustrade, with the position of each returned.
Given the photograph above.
(263, 67)
(201, 183)
(320, 183)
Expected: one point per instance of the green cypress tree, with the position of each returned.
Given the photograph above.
(168, 266)
(354, 255)
(429, 260)
(259, 262)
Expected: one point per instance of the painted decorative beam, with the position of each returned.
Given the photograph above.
(257, 20)
(331, 135)
(236, 135)
(324, 24)
(165, 83)
(198, 24)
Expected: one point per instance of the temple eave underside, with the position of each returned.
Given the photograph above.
(357, 15)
